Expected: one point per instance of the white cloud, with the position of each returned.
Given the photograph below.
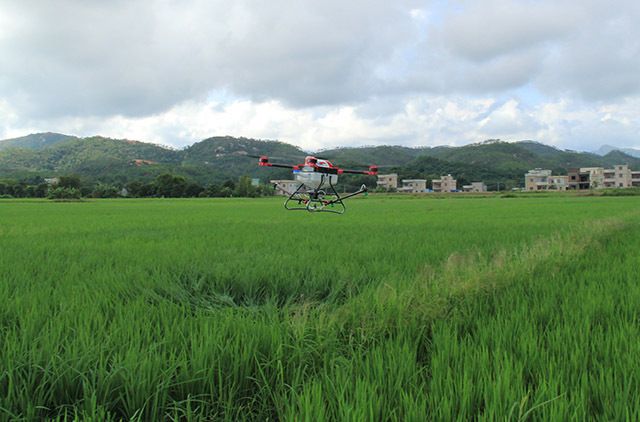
(323, 74)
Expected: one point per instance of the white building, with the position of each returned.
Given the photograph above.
(559, 182)
(388, 181)
(288, 185)
(413, 185)
(619, 177)
(537, 179)
(475, 187)
(445, 184)
(596, 176)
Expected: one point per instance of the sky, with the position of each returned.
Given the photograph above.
(324, 74)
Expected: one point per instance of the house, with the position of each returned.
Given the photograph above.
(559, 182)
(388, 181)
(475, 187)
(537, 179)
(583, 178)
(578, 180)
(51, 180)
(596, 176)
(445, 184)
(413, 185)
(619, 177)
(289, 186)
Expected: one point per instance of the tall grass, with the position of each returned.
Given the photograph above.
(238, 310)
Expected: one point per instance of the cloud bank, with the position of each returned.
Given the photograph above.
(323, 74)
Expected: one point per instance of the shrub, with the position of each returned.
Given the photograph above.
(64, 193)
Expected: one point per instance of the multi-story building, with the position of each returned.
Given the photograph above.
(413, 185)
(445, 184)
(388, 181)
(559, 182)
(537, 179)
(578, 180)
(619, 177)
(475, 187)
(583, 178)
(596, 176)
(286, 185)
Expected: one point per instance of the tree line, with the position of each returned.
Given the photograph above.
(165, 186)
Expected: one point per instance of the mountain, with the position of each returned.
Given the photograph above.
(216, 159)
(36, 140)
(521, 156)
(620, 157)
(233, 156)
(96, 158)
(65, 156)
(605, 149)
(381, 155)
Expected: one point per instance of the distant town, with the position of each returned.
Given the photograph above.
(535, 180)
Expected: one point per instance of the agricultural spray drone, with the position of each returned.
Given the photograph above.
(317, 179)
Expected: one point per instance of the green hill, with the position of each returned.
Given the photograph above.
(232, 156)
(216, 159)
(36, 141)
(620, 157)
(381, 155)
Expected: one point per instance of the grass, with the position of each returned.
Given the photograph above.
(401, 309)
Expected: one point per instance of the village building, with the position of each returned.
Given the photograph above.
(596, 176)
(578, 180)
(559, 182)
(445, 184)
(583, 178)
(288, 185)
(475, 187)
(388, 181)
(619, 177)
(413, 185)
(537, 179)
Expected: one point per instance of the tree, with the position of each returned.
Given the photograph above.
(69, 181)
(30, 192)
(134, 189)
(148, 190)
(41, 190)
(244, 188)
(213, 191)
(266, 190)
(229, 184)
(102, 190)
(226, 192)
(178, 187)
(85, 191)
(193, 190)
(170, 186)
(64, 193)
(17, 190)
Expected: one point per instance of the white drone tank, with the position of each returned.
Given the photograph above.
(316, 180)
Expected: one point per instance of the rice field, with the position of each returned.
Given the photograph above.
(404, 308)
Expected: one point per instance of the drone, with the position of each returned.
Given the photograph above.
(316, 192)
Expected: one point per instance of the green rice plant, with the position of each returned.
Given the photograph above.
(401, 309)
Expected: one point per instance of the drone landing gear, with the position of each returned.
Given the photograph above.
(318, 200)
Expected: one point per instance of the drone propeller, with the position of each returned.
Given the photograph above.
(244, 154)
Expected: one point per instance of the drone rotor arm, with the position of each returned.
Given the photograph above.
(284, 166)
(373, 171)
(264, 161)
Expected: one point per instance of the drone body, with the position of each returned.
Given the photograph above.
(317, 191)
